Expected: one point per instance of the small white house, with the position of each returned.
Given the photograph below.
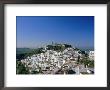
(91, 55)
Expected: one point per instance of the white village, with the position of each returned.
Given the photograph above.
(66, 60)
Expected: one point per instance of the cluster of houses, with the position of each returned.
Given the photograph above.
(58, 62)
(91, 55)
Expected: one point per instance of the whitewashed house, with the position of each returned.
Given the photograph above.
(91, 55)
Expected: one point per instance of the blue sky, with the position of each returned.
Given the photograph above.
(36, 31)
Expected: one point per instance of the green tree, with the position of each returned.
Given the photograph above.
(21, 69)
(87, 62)
(91, 64)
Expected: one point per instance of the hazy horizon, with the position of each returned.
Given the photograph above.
(38, 31)
(83, 48)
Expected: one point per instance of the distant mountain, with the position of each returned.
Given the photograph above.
(56, 46)
(87, 48)
(22, 50)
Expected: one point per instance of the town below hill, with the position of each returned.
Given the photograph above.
(54, 59)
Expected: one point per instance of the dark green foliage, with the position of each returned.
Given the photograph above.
(91, 64)
(39, 50)
(67, 46)
(86, 55)
(78, 58)
(34, 72)
(23, 56)
(20, 56)
(87, 62)
(76, 49)
(22, 53)
(23, 50)
(71, 72)
(21, 69)
(84, 73)
(50, 47)
(83, 52)
(58, 47)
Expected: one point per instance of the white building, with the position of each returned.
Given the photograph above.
(91, 55)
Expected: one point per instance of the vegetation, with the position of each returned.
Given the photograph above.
(67, 46)
(76, 49)
(58, 47)
(34, 72)
(87, 62)
(21, 69)
(24, 54)
(84, 73)
(91, 64)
